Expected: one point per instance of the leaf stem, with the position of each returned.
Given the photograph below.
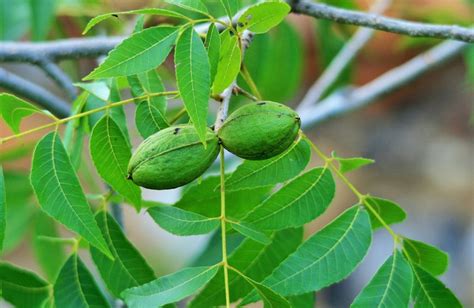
(178, 115)
(362, 198)
(223, 230)
(85, 113)
(248, 79)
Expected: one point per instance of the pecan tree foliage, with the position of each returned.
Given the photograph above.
(255, 214)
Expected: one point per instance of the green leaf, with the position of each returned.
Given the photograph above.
(390, 287)
(50, 255)
(430, 292)
(139, 53)
(326, 257)
(204, 199)
(170, 288)
(307, 300)
(148, 11)
(230, 59)
(111, 154)
(59, 193)
(261, 17)
(428, 257)
(388, 210)
(181, 222)
(75, 286)
(353, 163)
(117, 113)
(249, 231)
(129, 268)
(269, 297)
(258, 173)
(301, 200)
(213, 45)
(191, 5)
(14, 109)
(193, 78)
(21, 287)
(75, 131)
(150, 114)
(42, 16)
(3, 208)
(255, 260)
(230, 6)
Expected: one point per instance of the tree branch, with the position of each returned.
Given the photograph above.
(34, 92)
(350, 99)
(417, 29)
(61, 79)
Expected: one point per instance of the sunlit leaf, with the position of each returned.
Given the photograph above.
(229, 62)
(390, 286)
(191, 5)
(258, 173)
(141, 52)
(250, 231)
(148, 11)
(3, 208)
(170, 288)
(193, 78)
(180, 222)
(129, 268)
(213, 45)
(430, 292)
(261, 17)
(230, 6)
(59, 193)
(388, 210)
(13, 110)
(352, 163)
(21, 287)
(301, 200)
(75, 286)
(307, 300)
(325, 258)
(111, 154)
(428, 257)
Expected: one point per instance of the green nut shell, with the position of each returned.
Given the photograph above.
(172, 157)
(260, 130)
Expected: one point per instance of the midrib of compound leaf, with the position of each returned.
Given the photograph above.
(48, 150)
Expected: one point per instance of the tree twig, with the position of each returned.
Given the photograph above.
(417, 29)
(345, 56)
(35, 93)
(350, 99)
(61, 78)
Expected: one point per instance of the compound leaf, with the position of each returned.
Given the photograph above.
(170, 288)
(193, 78)
(388, 210)
(128, 269)
(261, 17)
(428, 257)
(141, 52)
(59, 192)
(390, 287)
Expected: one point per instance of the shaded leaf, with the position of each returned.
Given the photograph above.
(117, 113)
(42, 16)
(258, 173)
(325, 258)
(298, 202)
(14, 19)
(75, 286)
(191, 5)
(14, 109)
(388, 210)
(213, 45)
(261, 17)
(428, 257)
(129, 268)
(21, 287)
(141, 52)
(59, 193)
(3, 208)
(193, 78)
(111, 154)
(255, 260)
(430, 292)
(180, 222)
(148, 11)
(170, 288)
(50, 255)
(249, 231)
(353, 163)
(211, 252)
(230, 59)
(307, 300)
(390, 286)
(150, 114)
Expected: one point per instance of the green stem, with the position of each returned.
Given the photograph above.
(223, 230)
(248, 79)
(86, 113)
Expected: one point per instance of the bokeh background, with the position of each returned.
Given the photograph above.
(420, 136)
